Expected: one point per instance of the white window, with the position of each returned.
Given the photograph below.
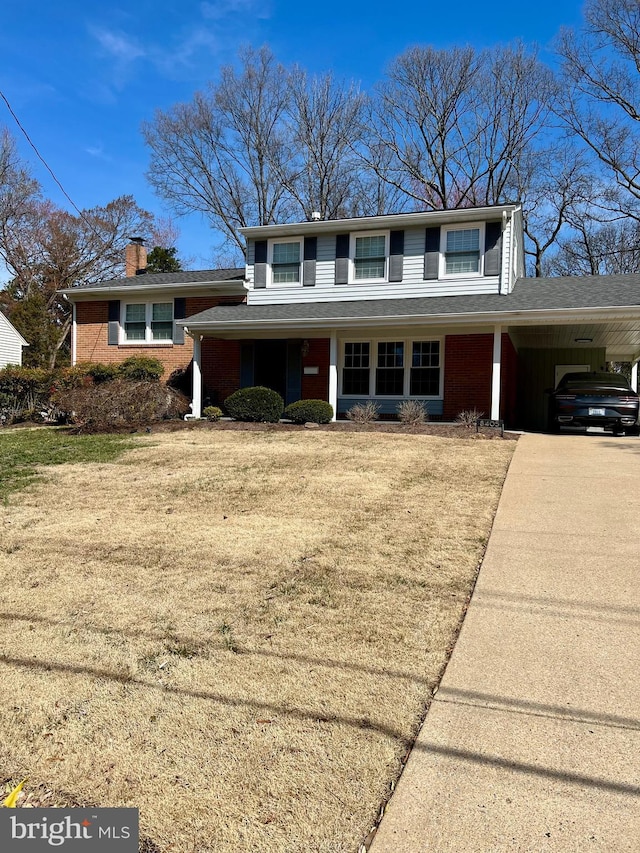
(286, 259)
(409, 368)
(461, 251)
(369, 256)
(147, 322)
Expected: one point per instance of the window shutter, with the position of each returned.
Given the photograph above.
(342, 259)
(309, 263)
(113, 328)
(492, 248)
(260, 264)
(432, 252)
(246, 365)
(179, 313)
(396, 255)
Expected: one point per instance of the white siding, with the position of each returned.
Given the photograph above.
(11, 343)
(412, 285)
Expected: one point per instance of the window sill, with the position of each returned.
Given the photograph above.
(138, 344)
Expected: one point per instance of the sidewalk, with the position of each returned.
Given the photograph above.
(532, 742)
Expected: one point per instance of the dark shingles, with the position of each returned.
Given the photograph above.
(529, 294)
(182, 277)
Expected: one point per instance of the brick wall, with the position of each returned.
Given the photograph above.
(220, 369)
(316, 387)
(467, 375)
(92, 326)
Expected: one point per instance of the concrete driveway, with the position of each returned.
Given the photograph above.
(532, 742)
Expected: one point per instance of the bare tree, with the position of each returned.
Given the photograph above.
(49, 249)
(224, 153)
(457, 123)
(324, 122)
(601, 104)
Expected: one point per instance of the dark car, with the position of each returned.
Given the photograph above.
(594, 399)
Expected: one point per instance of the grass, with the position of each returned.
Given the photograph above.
(235, 632)
(23, 452)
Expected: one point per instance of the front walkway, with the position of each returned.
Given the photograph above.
(532, 742)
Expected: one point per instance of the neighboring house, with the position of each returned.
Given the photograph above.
(11, 343)
(431, 306)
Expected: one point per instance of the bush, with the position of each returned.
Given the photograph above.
(255, 404)
(363, 413)
(412, 412)
(24, 392)
(182, 379)
(309, 411)
(140, 368)
(212, 413)
(120, 402)
(99, 372)
(469, 417)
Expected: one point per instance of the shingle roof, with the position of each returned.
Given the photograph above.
(182, 277)
(529, 294)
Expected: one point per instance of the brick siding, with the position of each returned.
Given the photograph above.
(316, 387)
(92, 327)
(468, 365)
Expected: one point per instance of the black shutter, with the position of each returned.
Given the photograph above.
(179, 313)
(396, 255)
(113, 328)
(342, 259)
(309, 262)
(492, 248)
(432, 252)
(260, 264)
(246, 365)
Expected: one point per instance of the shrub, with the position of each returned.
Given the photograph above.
(412, 412)
(363, 413)
(140, 368)
(309, 411)
(100, 372)
(468, 417)
(121, 402)
(182, 379)
(24, 391)
(212, 413)
(255, 404)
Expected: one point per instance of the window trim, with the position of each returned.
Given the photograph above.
(373, 364)
(457, 276)
(148, 339)
(353, 236)
(274, 241)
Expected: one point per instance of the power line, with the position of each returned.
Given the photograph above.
(39, 155)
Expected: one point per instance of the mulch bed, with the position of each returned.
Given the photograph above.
(459, 431)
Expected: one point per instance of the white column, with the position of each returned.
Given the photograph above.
(634, 375)
(196, 397)
(333, 372)
(74, 334)
(495, 373)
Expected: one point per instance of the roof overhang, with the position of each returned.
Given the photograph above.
(233, 286)
(371, 223)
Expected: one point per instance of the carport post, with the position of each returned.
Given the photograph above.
(634, 375)
(333, 372)
(196, 396)
(495, 373)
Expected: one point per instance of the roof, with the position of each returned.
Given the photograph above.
(164, 279)
(387, 220)
(535, 295)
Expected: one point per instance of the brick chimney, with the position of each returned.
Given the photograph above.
(135, 257)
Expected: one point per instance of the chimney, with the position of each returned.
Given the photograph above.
(135, 257)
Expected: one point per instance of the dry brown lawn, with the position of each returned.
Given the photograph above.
(237, 632)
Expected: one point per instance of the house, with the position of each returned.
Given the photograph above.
(11, 343)
(432, 306)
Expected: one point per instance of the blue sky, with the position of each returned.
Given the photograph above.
(83, 76)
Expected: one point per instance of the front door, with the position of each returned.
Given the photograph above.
(277, 365)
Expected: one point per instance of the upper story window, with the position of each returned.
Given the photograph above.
(462, 251)
(146, 322)
(285, 262)
(370, 256)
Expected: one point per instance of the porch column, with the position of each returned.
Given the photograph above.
(634, 375)
(196, 396)
(495, 373)
(333, 373)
